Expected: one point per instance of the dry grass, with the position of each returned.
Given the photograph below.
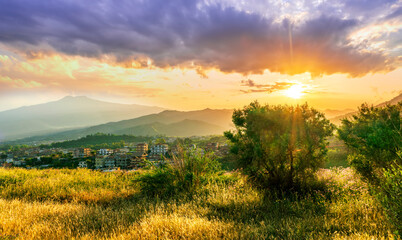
(64, 185)
(220, 210)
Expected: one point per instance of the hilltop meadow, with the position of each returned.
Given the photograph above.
(280, 181)
(85, 204)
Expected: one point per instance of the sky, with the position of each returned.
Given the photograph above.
(186, 55)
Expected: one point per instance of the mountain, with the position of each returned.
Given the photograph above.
(169, 123)
(183, 128)
(331, 113)
(66, 113)
(337, 120)
(393, 101)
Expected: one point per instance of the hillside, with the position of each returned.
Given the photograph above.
(331, 113)
(183, 128)
(98, 141)
(169, 123)
(337, 120)
(85, 204)
(64, 114)
(393, 101)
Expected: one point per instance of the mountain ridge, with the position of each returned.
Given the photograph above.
(168, 122)
(66, 113)
(337, 120)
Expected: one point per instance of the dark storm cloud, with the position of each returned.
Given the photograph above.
(189, 33)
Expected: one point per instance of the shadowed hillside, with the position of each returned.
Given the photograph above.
(169, 123)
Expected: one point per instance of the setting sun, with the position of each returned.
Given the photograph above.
(296, 91)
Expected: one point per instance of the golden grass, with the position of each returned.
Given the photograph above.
(111, 209)
(81, 185)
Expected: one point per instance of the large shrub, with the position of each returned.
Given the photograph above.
(390, 195)
(374, 135)
(183, 174)
(279, 147)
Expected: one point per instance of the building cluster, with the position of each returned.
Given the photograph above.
(124, 159)
(133, 157)
(20, 157)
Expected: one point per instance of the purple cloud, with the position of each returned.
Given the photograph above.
(194, 33)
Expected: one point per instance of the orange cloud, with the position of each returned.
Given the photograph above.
(268, 88)
(69, 74)
(7, 83)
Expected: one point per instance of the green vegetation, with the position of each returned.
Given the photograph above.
(337, 155)
(187, 172)
(390, 195)
(280, 147)
(98, 141)
(191, 197)
(375, 136)
(10, 147)
(58, 160)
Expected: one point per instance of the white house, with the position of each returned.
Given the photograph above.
(159, 149)
(82, 164)
(105, 151)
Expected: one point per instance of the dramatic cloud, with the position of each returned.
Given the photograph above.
(204, 34)
(267, 88)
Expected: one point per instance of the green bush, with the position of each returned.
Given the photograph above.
(184, 174)
(337, 158)
(390, 195)
(375, 137)
(280, 147)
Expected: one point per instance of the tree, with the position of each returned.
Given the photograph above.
(160, 140)
(374, 135)
(279, 147)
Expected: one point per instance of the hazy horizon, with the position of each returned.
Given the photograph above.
(178, 109)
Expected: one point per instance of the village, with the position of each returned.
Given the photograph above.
(130, 157)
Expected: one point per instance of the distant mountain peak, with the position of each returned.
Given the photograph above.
(69, 112)
(69, 97)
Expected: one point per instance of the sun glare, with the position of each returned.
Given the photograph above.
(296, 91)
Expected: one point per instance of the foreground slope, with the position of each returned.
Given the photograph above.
(84, 204)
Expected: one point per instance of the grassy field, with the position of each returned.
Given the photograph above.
(84, 204)
(337, 154)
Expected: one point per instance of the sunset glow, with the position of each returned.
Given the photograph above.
(296, 91)
(202, 54)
